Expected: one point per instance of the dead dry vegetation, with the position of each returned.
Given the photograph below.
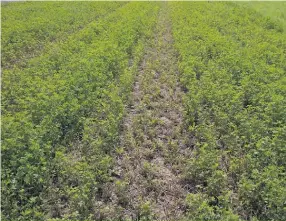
(148, 183)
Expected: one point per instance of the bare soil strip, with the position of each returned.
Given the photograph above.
(153, 140)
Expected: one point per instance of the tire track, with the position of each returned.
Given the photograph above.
(153, 142)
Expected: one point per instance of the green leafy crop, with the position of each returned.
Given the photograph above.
(62, 109)
(232, 66)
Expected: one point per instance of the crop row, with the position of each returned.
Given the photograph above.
(232, 64)
(61, 116)
(29, 27)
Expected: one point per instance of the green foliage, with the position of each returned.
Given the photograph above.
(145, 212)
(232, 64)
(29, 27)
(62, 110)
(68, 69)
(199, 208)
(275, 12)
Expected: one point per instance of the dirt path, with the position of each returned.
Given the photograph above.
(153, 140)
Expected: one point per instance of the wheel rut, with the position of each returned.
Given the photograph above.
(153, 142)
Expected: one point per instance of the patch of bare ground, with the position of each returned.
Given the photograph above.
(147, 183)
